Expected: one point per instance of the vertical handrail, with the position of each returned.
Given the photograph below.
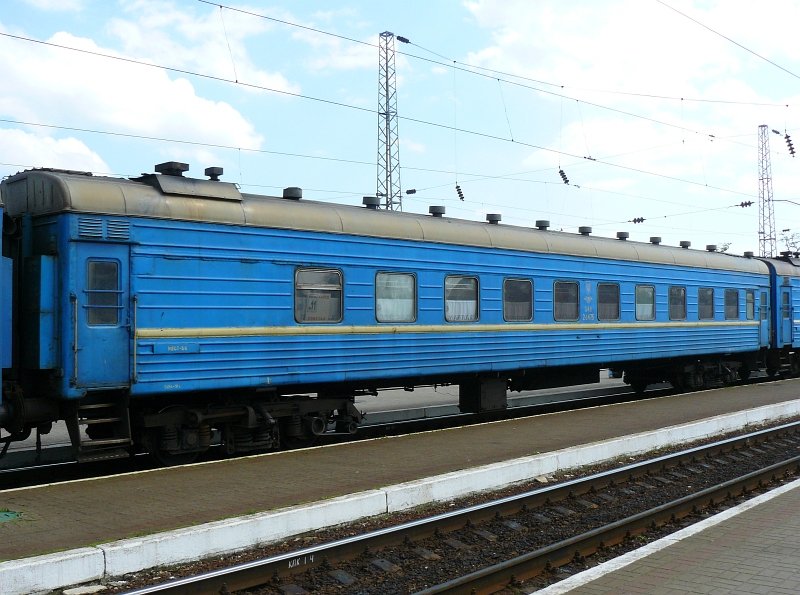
(74, 299)
(133, 334)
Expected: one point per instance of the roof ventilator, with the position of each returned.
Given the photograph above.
(436, 210)
(623, 235)
(542, 224)
(711, 247)
(371, 202)
(293, 193)
(213, 173)
(172, 168)
(786, 254)
(585, 230)
(685, 244)
(748, 254)
(494, 218)
(655, 240)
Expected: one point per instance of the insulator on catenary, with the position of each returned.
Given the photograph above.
(638, 219)
(460, 193)
(789, 144)
(563, 176)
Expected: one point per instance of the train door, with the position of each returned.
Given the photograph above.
(786, 316)
(100, 300)
(765, 318)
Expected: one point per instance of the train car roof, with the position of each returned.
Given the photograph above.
(46, 191)
(785, 267)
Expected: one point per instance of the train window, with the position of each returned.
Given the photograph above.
(318, 295)
(607, 301)
(517, 300)
(750, 304)
(785, 309)
(762, 306)
(460, 299)
(705, 303)
(731, 304)
(395, 297)
(677, 303)
(565, 300)
(102, 292)
(645, 302)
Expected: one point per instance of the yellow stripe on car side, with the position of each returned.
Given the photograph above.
(261, 331)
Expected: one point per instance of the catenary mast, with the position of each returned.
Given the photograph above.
(388, 140)
(766, 210)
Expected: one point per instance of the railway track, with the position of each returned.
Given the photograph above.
(496, 545)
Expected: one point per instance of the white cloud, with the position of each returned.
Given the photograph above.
(674, 156)
(335, 56)
(410, 145)
(20, 149)
(213, 43)
(57, 5)
(635, 46)
(620, 45)
(87, 91)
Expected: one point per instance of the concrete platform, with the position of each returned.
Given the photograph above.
(81, 531)
(751, 548)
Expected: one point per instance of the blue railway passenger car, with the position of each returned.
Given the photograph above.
(151, 312)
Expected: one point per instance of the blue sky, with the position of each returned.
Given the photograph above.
(648, 112)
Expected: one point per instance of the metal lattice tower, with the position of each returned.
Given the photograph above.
(766, 210)
(388, 138)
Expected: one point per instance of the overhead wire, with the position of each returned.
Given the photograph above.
(202, 75)
(184, 142)
(269, 152)
(283, 22)
(342, 104)
(471, 68)
(734, 42)
(227, 41)
(345, 105)
(455, 204)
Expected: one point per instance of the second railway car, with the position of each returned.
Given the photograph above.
(785, 327)
(150, 312)
(5, 305)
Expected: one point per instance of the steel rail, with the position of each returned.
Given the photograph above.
(260, 572)
(508, 573)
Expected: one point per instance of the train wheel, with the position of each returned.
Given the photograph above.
(794, 364)
(678, 382)
(153, 444)
(169, 459)
(698, 379)
(744, 372)
(296, 434)
(167, 444)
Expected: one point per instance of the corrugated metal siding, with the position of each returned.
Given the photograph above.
(191, 275)
(280, 361)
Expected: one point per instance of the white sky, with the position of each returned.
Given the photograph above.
(667, 110)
